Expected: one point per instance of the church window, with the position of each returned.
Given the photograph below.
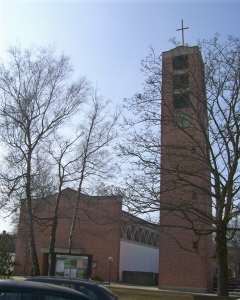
(194, 150)
(194, 195)
(195, 244)
(136, 238)
(156, 241)
(133, 229)
(180, 62)
(143, 240)
(129, 234)
(180, 100)
(180, 81)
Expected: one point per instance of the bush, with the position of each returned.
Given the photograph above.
(96, 278)
(6, 255)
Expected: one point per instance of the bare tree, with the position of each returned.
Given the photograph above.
(61, 151)
(219, 133)
(141, 150)
(93, 163)
(37, 97)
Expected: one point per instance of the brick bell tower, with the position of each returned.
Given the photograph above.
(185, 200)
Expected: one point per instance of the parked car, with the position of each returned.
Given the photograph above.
(90, 288)
(25, 290)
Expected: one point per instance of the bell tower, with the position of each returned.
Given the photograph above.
(185, 215)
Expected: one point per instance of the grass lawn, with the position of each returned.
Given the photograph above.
(134, 294)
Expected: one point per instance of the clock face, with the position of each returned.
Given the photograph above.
(182, 119)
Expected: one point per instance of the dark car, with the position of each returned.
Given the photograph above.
(25, 290)
(90, 288)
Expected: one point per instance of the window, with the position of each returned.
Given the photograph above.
(180, 62)
(180, 100)
(195, 245)
(129, 234)
(86, 291)
(16, 295)
(143, 240)
(54, 297)
(194, 195)
(106, 291)
(194, 150)
(70, 286)
(180, 81)
(136, 238)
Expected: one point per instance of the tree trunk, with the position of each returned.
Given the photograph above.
(222, 262)
(53, 236)
(70, 245)
(35, 271)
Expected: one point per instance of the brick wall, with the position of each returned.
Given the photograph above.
(182, 172)
(97, 232)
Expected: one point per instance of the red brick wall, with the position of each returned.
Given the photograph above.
(97, 232)
(180, 165)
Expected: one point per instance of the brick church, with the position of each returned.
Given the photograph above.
(103, 232)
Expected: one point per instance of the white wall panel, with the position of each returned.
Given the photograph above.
(137, 257)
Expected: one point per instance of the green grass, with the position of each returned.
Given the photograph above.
(137, 294)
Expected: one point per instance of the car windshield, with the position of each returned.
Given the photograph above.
(16, 295)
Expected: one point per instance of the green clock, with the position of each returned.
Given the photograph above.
(182, 119)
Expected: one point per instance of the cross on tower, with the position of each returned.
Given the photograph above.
(183, 28)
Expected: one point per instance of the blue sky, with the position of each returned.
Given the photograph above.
(106, 40)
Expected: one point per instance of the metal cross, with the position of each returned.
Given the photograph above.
(182, 32)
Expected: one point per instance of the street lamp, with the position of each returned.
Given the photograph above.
(110, 261)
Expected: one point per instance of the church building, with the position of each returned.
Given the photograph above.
(185, 213)
(108, 243)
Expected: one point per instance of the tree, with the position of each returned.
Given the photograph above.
(93, 160)
(37, 98)
(141, 150)
(221, 137)
(81, 160)
(7, 249)
(60, 152)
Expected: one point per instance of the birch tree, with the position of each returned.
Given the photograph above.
(38, 95)
(61, 151)
(93, 163)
